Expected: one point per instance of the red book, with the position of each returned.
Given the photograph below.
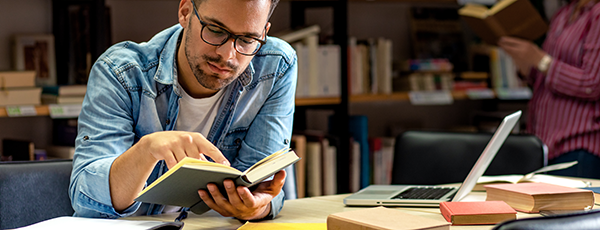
(483, 212)
(533, 197)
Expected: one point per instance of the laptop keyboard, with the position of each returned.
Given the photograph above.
(423, 193)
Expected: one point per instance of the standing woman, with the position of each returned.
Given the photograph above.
(564, 111)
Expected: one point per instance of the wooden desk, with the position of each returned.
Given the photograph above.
(314, 210)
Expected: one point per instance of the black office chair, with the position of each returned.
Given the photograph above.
(33, 191)
(431, 157)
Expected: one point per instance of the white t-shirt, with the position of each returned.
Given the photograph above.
(197, 115)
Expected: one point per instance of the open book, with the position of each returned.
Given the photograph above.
(179, 186)
(516, 18)
(534, 176)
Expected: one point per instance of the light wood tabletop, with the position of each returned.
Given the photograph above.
(316, 210)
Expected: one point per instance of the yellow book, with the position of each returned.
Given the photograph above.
(283, 226)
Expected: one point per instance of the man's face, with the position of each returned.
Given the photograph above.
(217, 66)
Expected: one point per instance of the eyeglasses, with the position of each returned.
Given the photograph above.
(216, 36)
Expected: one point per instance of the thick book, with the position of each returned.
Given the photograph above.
(65, 90)
(536, 197)
(516, 18)
(381, 218)
(179, 186)
(534, 176)
(481, 212)
(17, 79)
(20, 96)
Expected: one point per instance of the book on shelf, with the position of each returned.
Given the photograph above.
(516, 18)
(20, 96)
(292, 36)
(56, 99)
(176, 188)
(65, 90)
(534, 176)
(478, 212)
(18, 150)
(17, 79)
(298, 144)
(536, 197)
(359, 131)
(382, 218)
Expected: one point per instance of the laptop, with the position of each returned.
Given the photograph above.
(432, 196)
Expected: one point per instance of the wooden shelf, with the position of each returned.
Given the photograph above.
(318, 101)
(41, 110)
(398, 96)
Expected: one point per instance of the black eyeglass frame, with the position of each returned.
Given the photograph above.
(229, 35)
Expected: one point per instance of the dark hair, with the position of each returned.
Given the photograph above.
(271, 9)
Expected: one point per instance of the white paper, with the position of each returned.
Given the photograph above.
(78, 223)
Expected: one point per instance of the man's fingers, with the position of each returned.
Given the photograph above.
(191, 150)
(210, 150)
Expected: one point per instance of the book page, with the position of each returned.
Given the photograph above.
(76, 223)
(268, 158)
(271, 166)
(474, 10)
(500, 6)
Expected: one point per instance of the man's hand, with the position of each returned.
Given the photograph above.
(524, 53)
(240, 202)
(173, 146)
(131, 169)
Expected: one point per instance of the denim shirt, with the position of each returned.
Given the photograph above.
(132, 91)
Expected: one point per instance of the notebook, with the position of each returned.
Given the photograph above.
(432, 196)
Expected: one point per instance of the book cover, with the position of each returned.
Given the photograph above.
(381, 218)
(535, 197)
(179, 186)
(484, 212)
(16, 79)
(517, 18)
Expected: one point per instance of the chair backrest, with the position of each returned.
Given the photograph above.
(33, 191)
(432, 157)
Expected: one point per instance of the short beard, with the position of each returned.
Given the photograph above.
(212, 82)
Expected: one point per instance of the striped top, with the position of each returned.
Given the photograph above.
(564, 111)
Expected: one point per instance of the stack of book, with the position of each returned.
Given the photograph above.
(370, 66)
(64, 94)
(18, 88)
(319, 66)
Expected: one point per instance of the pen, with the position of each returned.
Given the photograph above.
(182, 215)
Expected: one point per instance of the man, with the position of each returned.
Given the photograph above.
(213, 86)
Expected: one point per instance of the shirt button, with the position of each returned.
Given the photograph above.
(588, 90)
(237, 141)
(85, 138)
(168, 121)
(286, 141)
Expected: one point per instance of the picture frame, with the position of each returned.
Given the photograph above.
(36, 52)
